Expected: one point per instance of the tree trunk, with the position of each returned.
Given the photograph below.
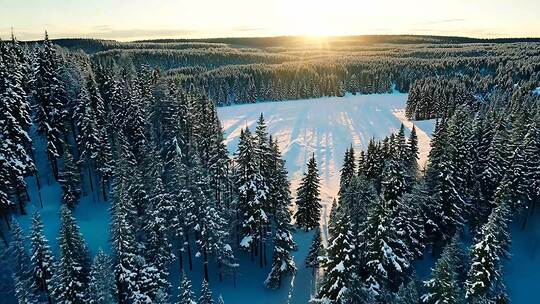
(205, 255)
(261, 254)
(90, 179)
(190, 262)
(181, 260)
(54, 166)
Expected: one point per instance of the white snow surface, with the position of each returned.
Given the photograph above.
(327, 127)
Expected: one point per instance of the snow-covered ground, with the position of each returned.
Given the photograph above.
(327, 127)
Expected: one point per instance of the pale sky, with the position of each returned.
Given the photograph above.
(143, 19)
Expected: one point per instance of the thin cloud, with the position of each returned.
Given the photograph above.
(435, 22)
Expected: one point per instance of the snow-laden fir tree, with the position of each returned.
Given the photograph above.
(308, 202)
(25, 288)
(252, 193)
(386, 255)
(14, 122)
(339, 258)
(127, 261)
(280, 198)
(446, 210)
(41, 257)
(158, 247)
(496, 161)
(412, 156)
(487, 253)
(531, 151)
(444, 287)
(185, 295)
(205, 296)
(71, 275)
(408, 293)
(50, 98)
(315, 250)
(347, 171)
(70, 180)
(409, 223)
(220, 300)
(102, 287)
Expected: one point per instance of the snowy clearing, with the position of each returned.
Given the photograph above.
(327, 127)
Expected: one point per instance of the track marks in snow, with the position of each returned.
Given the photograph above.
(324, 126)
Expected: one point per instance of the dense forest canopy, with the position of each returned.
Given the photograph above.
(135, 125)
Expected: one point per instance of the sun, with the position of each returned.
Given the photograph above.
(312, 18)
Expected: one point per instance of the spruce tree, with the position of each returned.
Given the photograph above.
(339, 258)
(206, 294)
(71, 276)
(487, 253)
(186, 295)
(315, 250)
(70, 180)
(347, 171)
(15, 151)
(25, 288)
(308, 202)
(386, 255)
(41, 257)
(408, 293)
(101, 288)
(282, 262)
(280, 200)
(443, 287)
(252, 193)
(50, 97)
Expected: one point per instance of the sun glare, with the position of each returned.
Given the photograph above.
(312, 18)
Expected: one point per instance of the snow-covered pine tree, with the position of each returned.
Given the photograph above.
(339, 258)
(443, 287)
(14, 122)
(386, 255)
(252, 192)
(158, 253)
(220, 300)
(49, 95)
(41, 257)
(487, 253)
(25, 289)
(70, 180)
(514, 182)
(361, 163)
(101, 288)
(206, 294)
(185, 295)
(531, 151)
(356, 202)
(218, 163)
(347, 170)
(280, 200)
(496, 161)
(71, 275)
(409, 223)
(315, 250)
(408, 293)
(411, 159)
(308, 202)
(394, 181)
(445, 212)
(282, 261)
